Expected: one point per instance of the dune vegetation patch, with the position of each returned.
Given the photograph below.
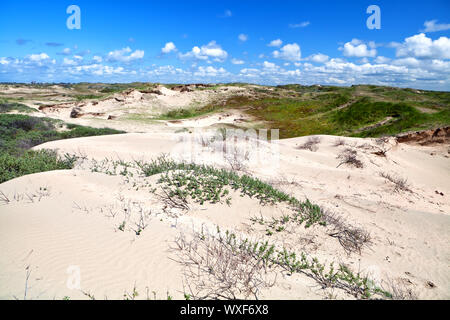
(19, 133)
(360, 111)
(8, 106)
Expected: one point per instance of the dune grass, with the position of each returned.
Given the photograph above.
(8, 106)
(360, 111)
(19, 133)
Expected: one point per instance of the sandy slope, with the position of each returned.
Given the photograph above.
(70, 225)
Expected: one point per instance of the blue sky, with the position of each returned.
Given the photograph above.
(267, 42)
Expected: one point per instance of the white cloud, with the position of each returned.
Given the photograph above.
(4, 61)
(237, 61)
(97, 59)
(275, 43)
(69, 62)
(165, 70)
(38, 57)
(96, 69)
(67, 51)
(252, 72)
(409, 62)
(169, 47)
(121, 55)
(269, 65)
(432, 26)
(209, 71)
(381, 59)
(290, 52)
(211, 50)
(420, 46)
(243, 37)
(300, 25)
(318, 57)
(356, 48)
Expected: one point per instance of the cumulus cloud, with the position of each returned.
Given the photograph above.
(38, 57)
(237, 61)
(318, 57)
(243, 37)
(422, 47)
(381, 59)
(169, 47)
(356, 48)
(290, 52)
(97, 59)
(433, 26)
(211, 50)
(121, 55)
(69, 62)
(96, 69)
(4, 61)
(209, 71)
(66, 51)
(270, 65)
(275, 43)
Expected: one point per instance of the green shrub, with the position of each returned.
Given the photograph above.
(18, 133)
(6, 106)
(32, 162)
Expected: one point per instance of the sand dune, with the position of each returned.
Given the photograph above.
(66, 223)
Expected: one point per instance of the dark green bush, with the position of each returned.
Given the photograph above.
(31, 162)
(18, 133)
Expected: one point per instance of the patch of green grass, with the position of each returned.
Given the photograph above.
(8, 106)
(204, 184)
(315, 110)
(189, 112)
(18, 133)
(32, 162)
(81, 97)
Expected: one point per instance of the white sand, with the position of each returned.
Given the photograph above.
(69, 226)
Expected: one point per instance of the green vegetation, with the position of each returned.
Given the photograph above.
(328, 277)
(360, 111)
(21, 132)
(81, 97)
(8, 106)
(190, 112)
(297, 110)
(207, 184)
(31, 162)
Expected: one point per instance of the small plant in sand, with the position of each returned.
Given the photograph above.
(349, 157)
(221, 265)
(400, 184)
(339, 142)
(351, 238)
(182, 182)
(310, 144)
(122, 226)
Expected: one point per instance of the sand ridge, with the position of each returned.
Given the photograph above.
(71, 224)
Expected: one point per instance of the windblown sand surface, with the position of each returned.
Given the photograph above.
(61, 220)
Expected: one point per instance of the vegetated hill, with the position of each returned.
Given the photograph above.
(297, 110)
(19, 133)
(361, 111)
